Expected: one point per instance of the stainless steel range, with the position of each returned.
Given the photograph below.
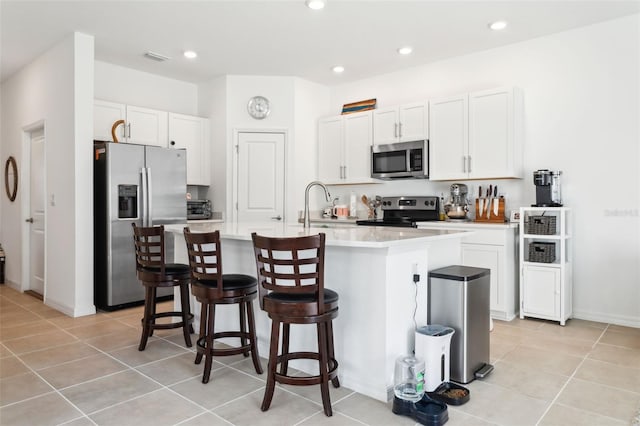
(406, 211)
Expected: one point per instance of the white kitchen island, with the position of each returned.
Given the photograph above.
(372, 270)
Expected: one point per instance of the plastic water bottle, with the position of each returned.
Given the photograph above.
(409, 378)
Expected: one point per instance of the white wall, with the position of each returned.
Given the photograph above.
(581, 96)
(57, 90)
(128, 86)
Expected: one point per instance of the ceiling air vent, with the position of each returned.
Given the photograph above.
(156, 56)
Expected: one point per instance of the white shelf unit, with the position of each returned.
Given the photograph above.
(546, 287)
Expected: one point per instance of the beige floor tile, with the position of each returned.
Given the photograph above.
(620, 336)
(205, 419)
(246, 365)
(82, 370)
(497, 404)
(4, 352)
(286, 409)
(527, 324)
(11, 366)
(460, 418)
(137, 310)
(81, 421)
(111, 342)
(48, 409)
(224, 385)
(154, 351)
(98, 329)
(178, 339)
(313, 392)
(22, 386)
(176, 369)
(528, 381)
(57, 355)
(370, 411)
(69, 322)
(44, 311)
(337, 419)
(158, 408)
(574, 329)
(560, 414)
(548, 361)
(610, 374)
(501, 345)
(616, 355)
(593, 397)
(107, 391)
(30, 344)
(622, 329)
(18, 319)
(25, 330)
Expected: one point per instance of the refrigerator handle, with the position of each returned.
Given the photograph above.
(149, 197)
(145, 192)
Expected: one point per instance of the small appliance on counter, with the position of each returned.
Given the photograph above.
(198, 209)
(547, 188)
(458, 205)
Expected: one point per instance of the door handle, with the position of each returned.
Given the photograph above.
(277, 217)
(30, 220)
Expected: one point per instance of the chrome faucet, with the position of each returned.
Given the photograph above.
(306, 221)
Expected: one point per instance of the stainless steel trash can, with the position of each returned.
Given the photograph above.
(459, 298)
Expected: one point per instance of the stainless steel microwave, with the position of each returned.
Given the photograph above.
(400, 160)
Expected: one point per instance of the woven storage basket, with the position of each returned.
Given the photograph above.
(542, 252)
(541, 225)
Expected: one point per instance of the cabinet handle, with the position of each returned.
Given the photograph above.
(395, 130)
(129, 128)
(344, 173)
(469, 161)
(464, 164)
(400, 130)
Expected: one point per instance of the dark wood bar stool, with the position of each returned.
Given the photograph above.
(153, 272)
(211, 287)
(291, 285)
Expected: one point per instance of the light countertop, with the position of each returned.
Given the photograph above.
(341, 235)
(445, 224)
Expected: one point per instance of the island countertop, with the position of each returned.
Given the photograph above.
(343, 235)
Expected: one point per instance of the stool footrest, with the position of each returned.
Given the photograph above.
(306, 380)
(167, 326)
(201, 343)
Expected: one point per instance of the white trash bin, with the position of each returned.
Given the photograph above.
(433, 345)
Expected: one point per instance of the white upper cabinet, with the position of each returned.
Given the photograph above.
(344, 148)
(495, 140)
(142, 126)
(448, 138)
(403, 123)
(476, 135)
(191, 133)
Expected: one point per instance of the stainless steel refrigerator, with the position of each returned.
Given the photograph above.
(145, 185)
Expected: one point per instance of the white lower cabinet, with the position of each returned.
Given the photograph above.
(492, 247)
(542, 296)
(546, 280)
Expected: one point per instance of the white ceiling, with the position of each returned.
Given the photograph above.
(284, 37)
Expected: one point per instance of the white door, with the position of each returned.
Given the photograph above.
(260, 189)
(36, 213)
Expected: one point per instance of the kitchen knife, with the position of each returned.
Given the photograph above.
(496, 201)
(480, 202)
(489, 200)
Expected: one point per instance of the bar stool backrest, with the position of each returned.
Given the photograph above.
(290, 266)
(149, 244)
(205, 256)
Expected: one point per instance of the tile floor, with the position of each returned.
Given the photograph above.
(57, 370)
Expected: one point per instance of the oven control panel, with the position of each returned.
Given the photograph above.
(410, 203)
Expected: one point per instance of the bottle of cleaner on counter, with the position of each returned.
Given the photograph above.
(442, 216)
(352, 205)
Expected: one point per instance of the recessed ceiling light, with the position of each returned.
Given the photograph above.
(338, 69)
(190, 54)
(498, 25)
(315, 4)
(405, 50)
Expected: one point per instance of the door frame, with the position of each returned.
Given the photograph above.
(232, 211)
(25, 178)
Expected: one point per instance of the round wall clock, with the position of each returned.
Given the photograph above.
(258, 107)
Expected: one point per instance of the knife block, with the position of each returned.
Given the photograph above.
(493, 218)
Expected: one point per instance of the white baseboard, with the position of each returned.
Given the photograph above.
(624, 320)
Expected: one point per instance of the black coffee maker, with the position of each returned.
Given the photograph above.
(547, 188)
